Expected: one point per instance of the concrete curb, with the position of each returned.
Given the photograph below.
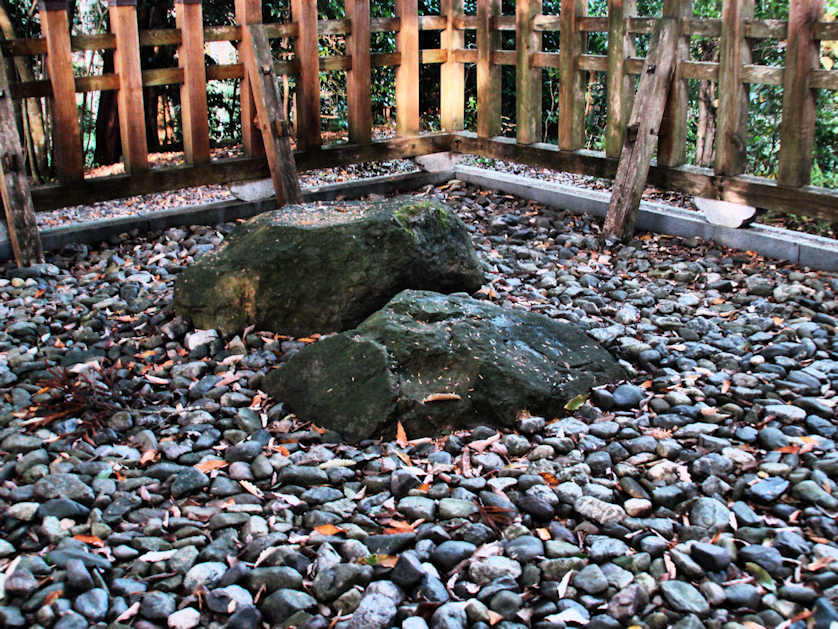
(54, 238)
(800, 248)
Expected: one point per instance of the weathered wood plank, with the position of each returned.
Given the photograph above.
(358, 103)
(230, 170)
(488, 74)
(193, 92)
(732, 116)
(452, 74)
(69, 160)
(407, 74)
(381, 59)
(433, 22)
(308, 82)
(826, 31)
(642, 131)
(504, 23)
(620, 84)
(766, 29)
(132, 131)
(160, 37)
(703, 26)
(826, 79)
(385, 24)
(594, 23)
(273, 123)
(225, 71)
(701, 70)
(433, 55)
(572, 82)
(14, 185)
(505, 57)
(334, 63)
(334, 27)
(248, 12)
(549, 60)
(163, 76)
(672, 140)
(766, 75)
(591, 63)
(527, 75)
(797, 128)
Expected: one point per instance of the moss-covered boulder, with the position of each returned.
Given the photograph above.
(325, 267)
(435, 362)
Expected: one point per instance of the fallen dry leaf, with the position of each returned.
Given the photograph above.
(211, 464)
(328, 529)
(441, 397)
(401, 435)
(90, 539)
(251, 488)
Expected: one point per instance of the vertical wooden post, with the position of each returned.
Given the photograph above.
(797, 129)
(358, 77)
(527, 76)
(123, 16)
(620, 82)
(308, 81)
(249, 12)
(407, 73)
(259, 65)
(672, 141)
(732, 125)
(572, 83)
(488, 74)
(452, 74)
(69, 160)
(193, 92)
(14, 186)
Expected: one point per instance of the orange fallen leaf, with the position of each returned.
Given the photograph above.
(819, 563)
(148, 456)
(52, 596)
(441, 397)
(398, 526)
(401, 435)
(251, 488)
(211, 464)
(90, 539)
(388, 561)
(543, 535)
(551, 480)
(328, 529)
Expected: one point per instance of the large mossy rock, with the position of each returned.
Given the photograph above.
(435, 362)
(325, 267)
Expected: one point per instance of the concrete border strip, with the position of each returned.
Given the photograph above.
(54, 238)
(800, 248)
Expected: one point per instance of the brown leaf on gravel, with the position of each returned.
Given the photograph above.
(401, 435)
(90, 539)
(441, 397)
(328, 529)
(211, 464)
(251, 488)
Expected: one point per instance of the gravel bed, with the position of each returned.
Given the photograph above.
(202, 195)
(147, 481)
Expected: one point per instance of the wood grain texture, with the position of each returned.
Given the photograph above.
(248, 12)
(407, 73)
(797, 128)
(452, 74)
(527, 75)
(130, 95)
(620, 85)
(273, 123)
(642, 131)
(672, 141)
(572, 82)
(69, 160)
(14, 185)
(308, 82)
(358, 103)
(193, 92)
(732, 116)
(488, 74)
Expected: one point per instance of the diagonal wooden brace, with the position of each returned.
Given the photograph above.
(642, 131)
(258, 63)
